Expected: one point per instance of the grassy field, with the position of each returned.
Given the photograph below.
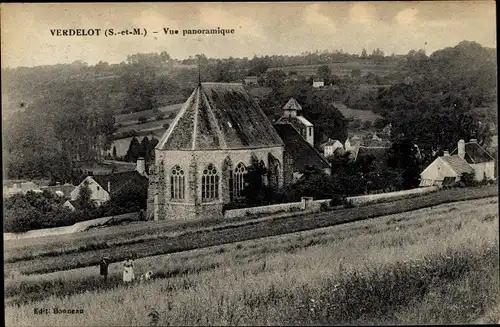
(430, 266)
(152, 238)
(364, 115)
(127, 119)
(342, 69)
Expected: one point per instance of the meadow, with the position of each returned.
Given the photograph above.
(343, 68)
(429, 266)
(363, 115)
(155, 238)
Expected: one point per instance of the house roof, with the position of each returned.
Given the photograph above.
(292, 104)
(377, 143)
(474, 153)
(304, 121)
(330, 142)
(378, 152)
(303, 154)
(219, 116)
(296, 123)
(120, 180)
(458, 164)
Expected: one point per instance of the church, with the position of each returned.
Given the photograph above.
(201, 160)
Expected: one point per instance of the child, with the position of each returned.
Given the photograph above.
(128, 271)
(104, 267)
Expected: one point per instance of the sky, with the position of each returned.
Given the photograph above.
(260, 29)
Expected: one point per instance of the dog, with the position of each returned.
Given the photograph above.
(146, 276)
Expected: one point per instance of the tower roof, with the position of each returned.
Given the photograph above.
(219, 116)
(292, 104)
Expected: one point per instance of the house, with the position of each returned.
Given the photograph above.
(330, 146)
(468, 158)
(299, 154)
(11, 187)
(292, 114)
(352, 144)
(251, 80)
(103, 187)
(318, 83)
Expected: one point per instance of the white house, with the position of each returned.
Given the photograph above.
(468, 158)
(11, 187)
(330, 146)
(318, 83)
(103, 187)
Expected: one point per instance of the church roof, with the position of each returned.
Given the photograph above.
(303, 154)
(292, 104)
(219, 116)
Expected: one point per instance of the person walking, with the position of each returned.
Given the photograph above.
(103, 266)
(128, 271)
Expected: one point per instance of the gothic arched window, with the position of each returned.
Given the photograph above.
(210, 184)
(177, 183)
(239, 179)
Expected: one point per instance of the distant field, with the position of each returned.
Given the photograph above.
(148, 126)
(342, 69)
(364, 115)
(131, 118)
(437, 265)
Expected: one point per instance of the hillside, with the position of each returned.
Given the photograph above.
(443, 261)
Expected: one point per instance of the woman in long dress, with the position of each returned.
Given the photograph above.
(128, 271)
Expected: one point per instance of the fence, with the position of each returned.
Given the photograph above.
(309, 205)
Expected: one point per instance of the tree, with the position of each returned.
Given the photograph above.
(256, 192)
(114, 152)
(367, 125)
(134, 150)
(84, 197)
(403, 156)
(142, 119)
(325, 73)
(276, 80)
(364, 54)
(145, 149)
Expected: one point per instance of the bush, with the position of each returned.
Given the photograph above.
(323, 206)
(160, 116)
(142, 119)
(166, 125)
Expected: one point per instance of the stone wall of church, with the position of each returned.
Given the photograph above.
(193, 163)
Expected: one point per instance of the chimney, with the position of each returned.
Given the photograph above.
(141, 166)
(109, 187)
(461, 149)
(446, 154)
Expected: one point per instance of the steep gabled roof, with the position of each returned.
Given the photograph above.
(219, 116)
(474, 153)
(303, 154)
(120, 180)
(292, 104)
(458, 164)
